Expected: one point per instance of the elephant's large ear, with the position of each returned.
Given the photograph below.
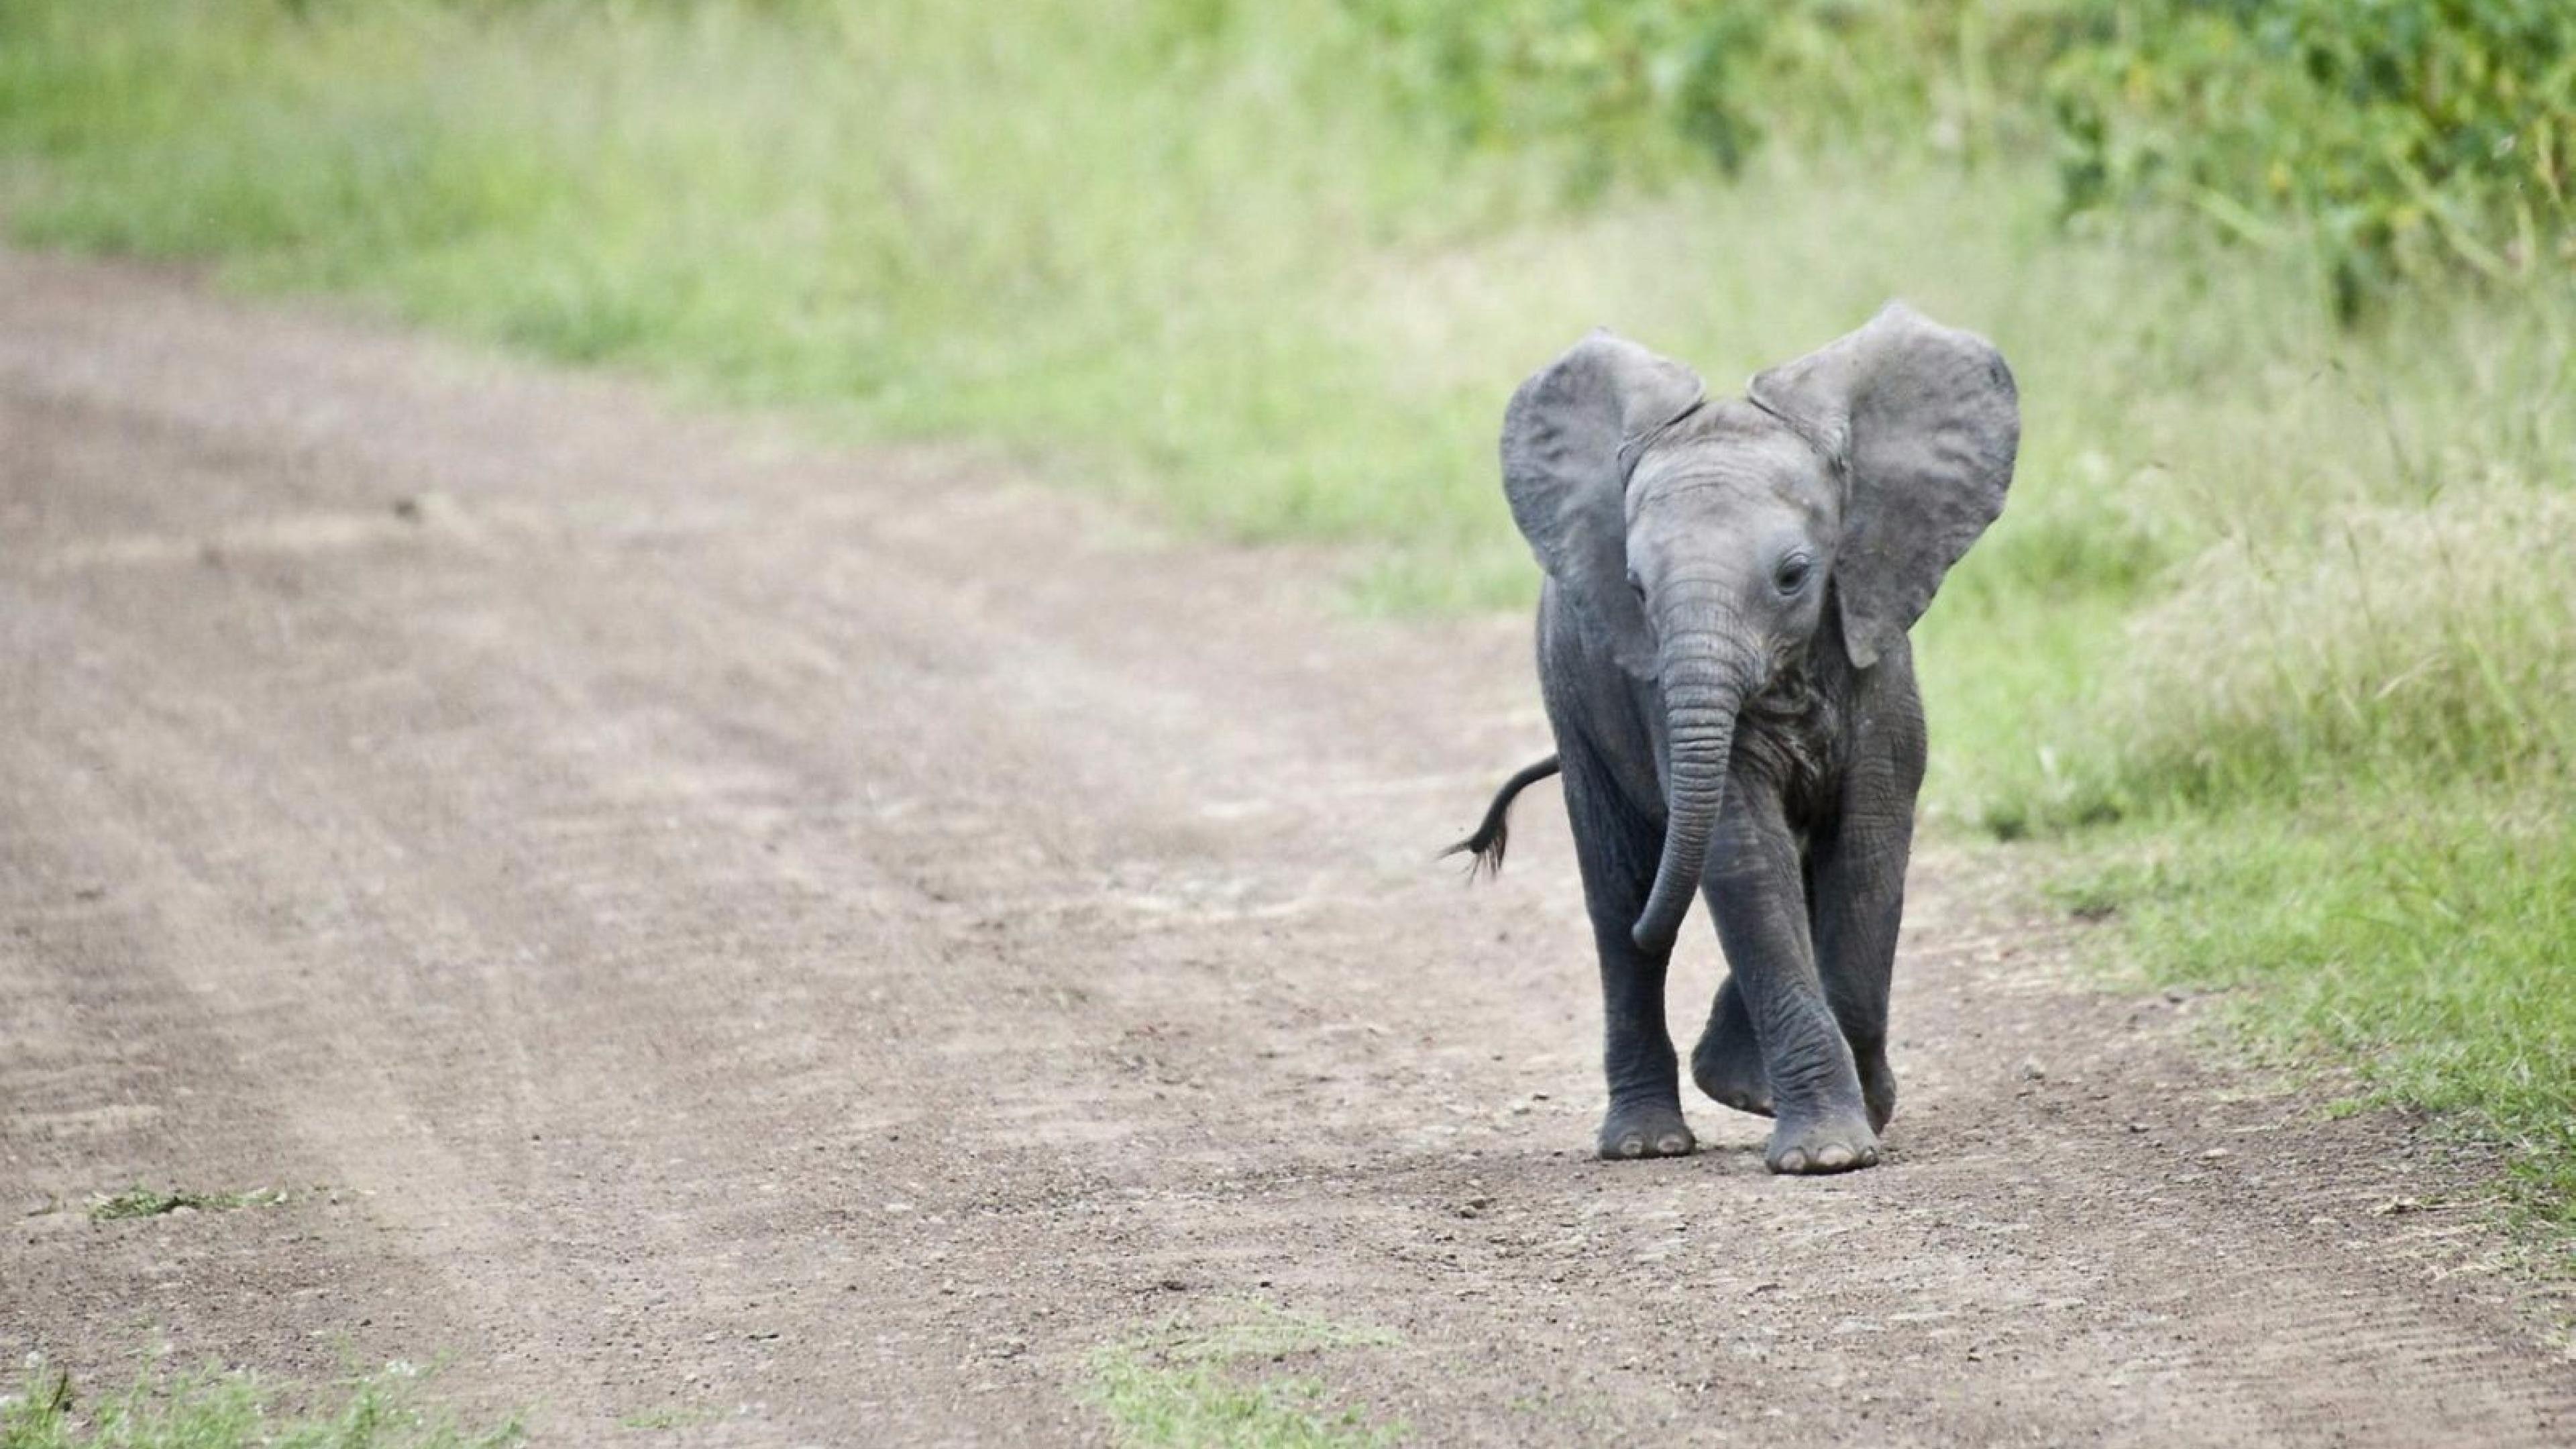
(1925, 420)
(1569, 438)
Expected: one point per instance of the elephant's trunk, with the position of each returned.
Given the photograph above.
(1702, 692)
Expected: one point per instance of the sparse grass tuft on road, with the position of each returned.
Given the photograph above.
(671, 1417)
(148, 1202)
(213, 1409)
(1191, 1384)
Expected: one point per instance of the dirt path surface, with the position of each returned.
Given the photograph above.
(840, 939)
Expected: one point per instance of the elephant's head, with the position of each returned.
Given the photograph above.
(1703, 542)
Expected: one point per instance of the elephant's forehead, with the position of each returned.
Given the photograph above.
(1731, 463)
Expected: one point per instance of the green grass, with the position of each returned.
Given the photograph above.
(214, 1409)
(2286, 591)
(1201, 1385)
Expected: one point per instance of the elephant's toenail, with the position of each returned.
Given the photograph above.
(1672, 1147)
(1793, 1160)
(1632, 1147)
(1835, 1156)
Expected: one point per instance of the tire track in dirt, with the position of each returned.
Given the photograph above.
(847, 936)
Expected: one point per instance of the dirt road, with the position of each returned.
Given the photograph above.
(834, 940)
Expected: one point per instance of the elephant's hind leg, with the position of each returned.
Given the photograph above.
(1727, 1063)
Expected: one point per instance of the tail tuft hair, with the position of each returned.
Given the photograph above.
(1495, 834)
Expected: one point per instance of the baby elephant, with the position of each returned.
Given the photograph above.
(1722, 648)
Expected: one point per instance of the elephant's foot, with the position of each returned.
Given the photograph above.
(1830, 1142)
(1645, 1129)
(1730, 1072)
(1727, 1063)
(1877, 1089)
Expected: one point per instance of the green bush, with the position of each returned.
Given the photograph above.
(1626, 90)
(2399, 136)
(2393, 137)
(1645, 92)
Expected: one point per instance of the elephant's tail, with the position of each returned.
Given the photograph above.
(1491, 837)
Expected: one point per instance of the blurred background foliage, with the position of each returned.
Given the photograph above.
(2393, 136)
(2273, 647)
(2396, 136)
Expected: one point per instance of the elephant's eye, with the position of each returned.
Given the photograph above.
(1792, 575)
(1637, 586)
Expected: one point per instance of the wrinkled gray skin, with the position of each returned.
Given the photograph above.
(1722, 647)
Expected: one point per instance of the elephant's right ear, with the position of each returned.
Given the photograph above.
(1568, 443)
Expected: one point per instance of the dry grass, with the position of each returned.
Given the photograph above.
(2401, 648)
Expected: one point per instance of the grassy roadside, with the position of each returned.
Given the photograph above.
(212, 1409)
(2421, 945)
(2276, 615)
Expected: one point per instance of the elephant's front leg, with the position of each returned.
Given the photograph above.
(1860, 897)
(1860, 901)
(1618, 848)
(1756, 887)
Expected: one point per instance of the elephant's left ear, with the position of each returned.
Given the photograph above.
(1925, 421)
